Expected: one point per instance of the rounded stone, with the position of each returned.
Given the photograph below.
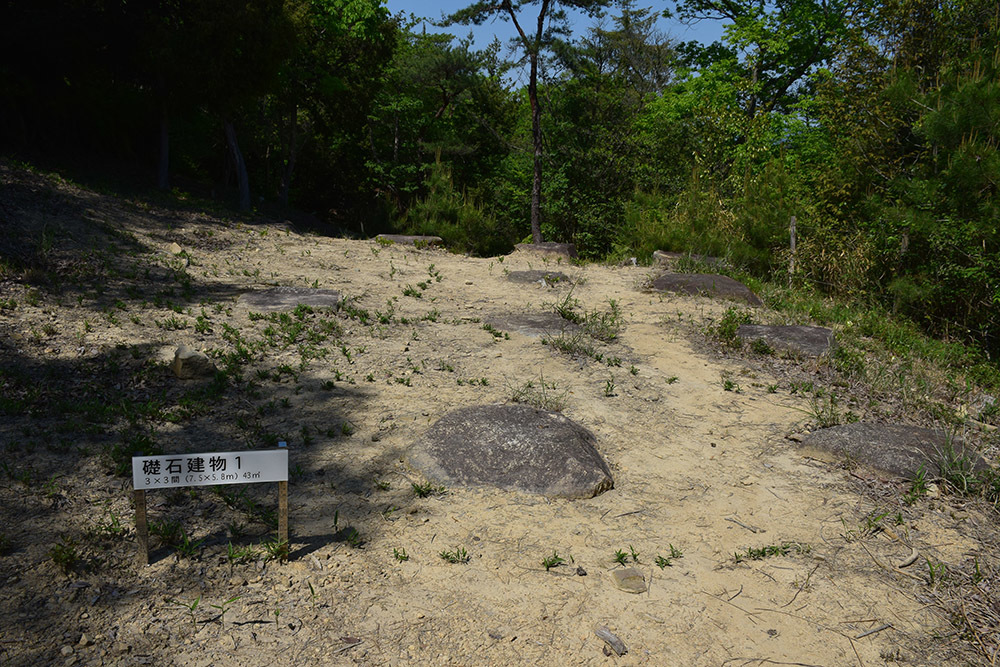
(515, 447)
(629, 579)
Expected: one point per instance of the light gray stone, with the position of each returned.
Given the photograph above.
(895, 449)
(798, 340)
(189, 363)
(533, 324)
(628, 579)
(548, 278)
(514, 447)
(288, 298)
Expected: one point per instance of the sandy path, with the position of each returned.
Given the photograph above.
(703, 469)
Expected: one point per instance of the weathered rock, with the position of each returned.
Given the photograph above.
(670, 260)
(407, 239)
(548, 278)
(628, 579)
(174, 249)
(189, 363)
(898, 450)
(708, 284)
(549, 248)
(798, 340)
(533, 324)
(611, 639)
(288, 298)
(514, 447)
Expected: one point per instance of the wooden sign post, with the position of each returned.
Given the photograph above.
(174, 470)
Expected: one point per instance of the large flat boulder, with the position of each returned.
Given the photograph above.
(706, 284)
(897, 450)
(798, 340)
(533, 324)
(514, 447)
(546, 278)
(548, 248)
(288, 298)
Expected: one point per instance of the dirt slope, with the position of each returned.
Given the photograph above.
(96, 301)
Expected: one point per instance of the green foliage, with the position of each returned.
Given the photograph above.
(725, 331)
(459, 555)
(552, 561)
(455, 217)
(783, 549)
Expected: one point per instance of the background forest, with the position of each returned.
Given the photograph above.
(874, 124)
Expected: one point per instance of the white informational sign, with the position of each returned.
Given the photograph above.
(169, 471)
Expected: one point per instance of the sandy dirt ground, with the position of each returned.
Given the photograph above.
(702, 468)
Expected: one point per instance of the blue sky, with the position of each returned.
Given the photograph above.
(706, 31)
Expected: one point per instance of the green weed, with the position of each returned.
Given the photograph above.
(783, 549)
(425, 489)
(459, 555)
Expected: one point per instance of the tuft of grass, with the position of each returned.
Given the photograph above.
(64, 555)
(459, 555)
(667, 561)
(604, 326)
(496, 333)
(539, 394)
(918, 487)
(400, 555)
(425, 489)
(552, 561)
(760, 553)
(186, 547)
(725, 330)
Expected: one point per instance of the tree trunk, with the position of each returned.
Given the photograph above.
(536, 137)
(163, 177)
(536, 128)
(241, 167)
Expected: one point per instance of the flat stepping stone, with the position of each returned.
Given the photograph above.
(548, 278)
(706, 284)
(629, 579)
(798, 340)
(512, 447)
(535, 325)
(407, 239)
(289, 298)
(898, 450)
(671, 259)
(548, 248)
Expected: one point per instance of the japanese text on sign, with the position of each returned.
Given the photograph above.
(165, 472)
